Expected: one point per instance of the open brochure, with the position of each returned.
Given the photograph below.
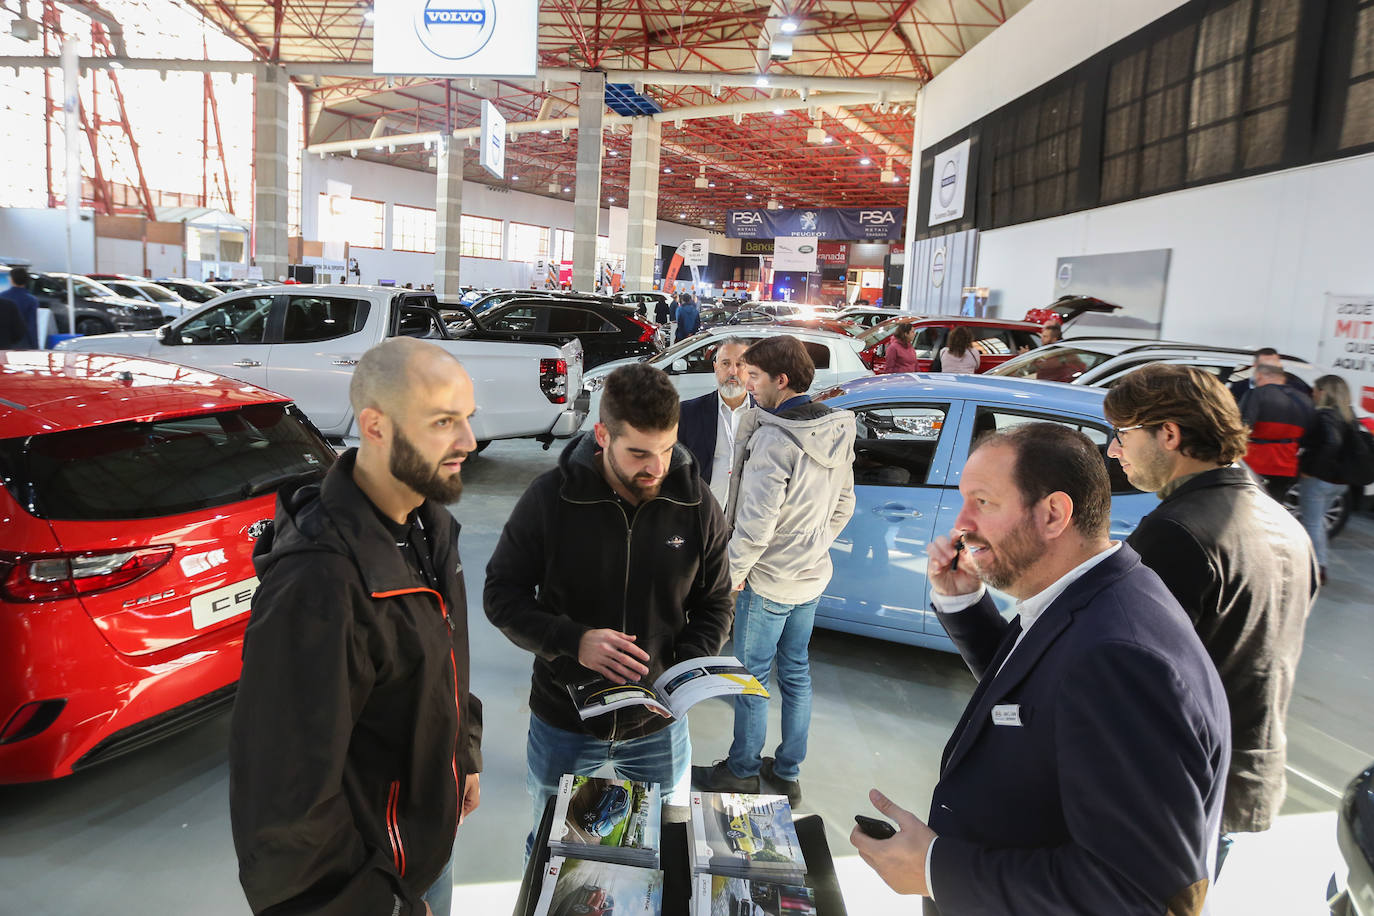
(714, 895)
(676, 690)
(577, 886)
(745, 836)
(611, 820)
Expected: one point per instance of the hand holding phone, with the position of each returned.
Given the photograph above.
(877, 828)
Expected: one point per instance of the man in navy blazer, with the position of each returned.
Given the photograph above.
(703, 420)
(1087, 772)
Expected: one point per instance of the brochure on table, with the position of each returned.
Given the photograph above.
(612, 820)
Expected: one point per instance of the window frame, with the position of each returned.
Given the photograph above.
(432, 233)
(474, 225)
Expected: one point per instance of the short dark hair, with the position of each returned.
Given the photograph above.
(783, 354)
(1051, 458)
(1209, 424)
(1055, 328)
(640, 396)
(1266, 351)
(19, 276)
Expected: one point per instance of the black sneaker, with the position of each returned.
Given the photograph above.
(789, 787)
(718, 778)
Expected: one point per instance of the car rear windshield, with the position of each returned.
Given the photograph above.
(165, 467)
(1053, 363)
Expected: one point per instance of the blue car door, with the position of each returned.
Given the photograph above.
(902, 452)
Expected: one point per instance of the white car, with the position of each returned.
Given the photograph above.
(689, 362)
(1101, 361)
(172, 305)
(304, 341)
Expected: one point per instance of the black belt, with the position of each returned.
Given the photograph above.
(1273, 441)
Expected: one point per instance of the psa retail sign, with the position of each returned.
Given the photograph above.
(455, 37)
(873, 224)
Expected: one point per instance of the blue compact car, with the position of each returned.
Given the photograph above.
(613, 805)
(913, 435)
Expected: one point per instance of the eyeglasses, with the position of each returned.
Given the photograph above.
(1118, 430)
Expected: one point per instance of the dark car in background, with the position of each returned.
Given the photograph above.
(190, 290)
(99, 309)
(607, 330)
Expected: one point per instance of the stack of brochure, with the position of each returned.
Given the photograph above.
(610, 820)
(599, 888)
(713, 895)
(745, 836)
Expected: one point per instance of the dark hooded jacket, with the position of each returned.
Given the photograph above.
(571, 559)
(353, 729)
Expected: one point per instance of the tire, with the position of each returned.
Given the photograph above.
(481, 446)
(92, 326)
(1336, 516)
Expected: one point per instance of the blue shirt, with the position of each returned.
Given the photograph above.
(794, 401)
(28, 310)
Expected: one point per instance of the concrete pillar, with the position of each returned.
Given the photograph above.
(591, 105)
(448, 206)
(642, 232)
(270, 172)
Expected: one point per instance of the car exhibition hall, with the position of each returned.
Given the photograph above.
(703, 457)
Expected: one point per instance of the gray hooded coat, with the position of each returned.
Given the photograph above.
(791, 494)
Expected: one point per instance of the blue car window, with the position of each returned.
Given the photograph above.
(989, 419)
(895, 446)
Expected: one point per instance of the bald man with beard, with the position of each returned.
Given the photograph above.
(354, 747)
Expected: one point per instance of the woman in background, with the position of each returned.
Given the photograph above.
(958, 355)
(1319, 463)
(900, 354)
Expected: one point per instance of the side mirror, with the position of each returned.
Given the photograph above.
(678, 367)
(165, 334)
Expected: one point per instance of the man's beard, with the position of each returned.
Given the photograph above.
(732, 389)
(1151, 472)
(642, 491)
(1017, 552)
(409, 467)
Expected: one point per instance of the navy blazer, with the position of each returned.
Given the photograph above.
(697, 425)
(1107, 798)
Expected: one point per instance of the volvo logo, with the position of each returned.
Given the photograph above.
(455, 29)
(258, 528)
(949, 182)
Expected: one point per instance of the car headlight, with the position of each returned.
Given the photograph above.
(123, 311)
(594, 384)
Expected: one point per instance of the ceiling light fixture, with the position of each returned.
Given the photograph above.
(667, 170)
(610, 200)
(865, 161)
(749, 197)
(789, 26)
(682, 216)
(567, 190)
(778, 111)
(369, 15)
(544, 131)
(614, 152)
(763, 82)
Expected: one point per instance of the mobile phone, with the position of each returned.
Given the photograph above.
(958, 549)
(874, 827)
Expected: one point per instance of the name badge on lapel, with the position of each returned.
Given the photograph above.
(1007, 714)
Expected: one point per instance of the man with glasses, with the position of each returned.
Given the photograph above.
(1238, 563)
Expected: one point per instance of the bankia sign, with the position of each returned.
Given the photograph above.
(872, 224)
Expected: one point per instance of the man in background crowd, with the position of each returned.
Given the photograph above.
(708, 424)
(1278, 416)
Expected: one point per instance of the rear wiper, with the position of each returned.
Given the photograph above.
(267, 483)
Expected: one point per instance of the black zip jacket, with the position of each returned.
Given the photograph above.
(353, 729)
(571, 560)
(1322, 446)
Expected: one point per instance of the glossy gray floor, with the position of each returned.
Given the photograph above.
(149, 833)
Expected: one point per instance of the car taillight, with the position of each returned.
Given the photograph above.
(648, 329)
(553, 380)
(43, 577)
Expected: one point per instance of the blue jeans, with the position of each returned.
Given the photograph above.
(665, 757)
(764, 631)
(1315, 499)
(440, 894)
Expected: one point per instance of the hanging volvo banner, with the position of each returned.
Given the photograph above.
(949, 184)
(493, 154)
(871, 224)
(455, 37)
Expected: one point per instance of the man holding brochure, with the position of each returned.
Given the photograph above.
(613, 565)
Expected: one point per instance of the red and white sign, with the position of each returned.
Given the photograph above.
(833, 254)
(1346, 346)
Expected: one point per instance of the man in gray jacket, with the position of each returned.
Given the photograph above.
(791, 494)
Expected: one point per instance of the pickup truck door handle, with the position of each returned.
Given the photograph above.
(895, 512)
(247, 363)
(345, 361)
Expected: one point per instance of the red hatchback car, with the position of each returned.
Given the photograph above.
(133, 492)
(995, 340)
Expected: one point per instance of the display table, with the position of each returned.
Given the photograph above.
(820, 868)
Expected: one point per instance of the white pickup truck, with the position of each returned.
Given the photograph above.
(303, 341)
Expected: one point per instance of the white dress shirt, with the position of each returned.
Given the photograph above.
(722, 462)
(1029, 610)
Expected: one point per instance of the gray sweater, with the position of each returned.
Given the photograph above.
(791, 494)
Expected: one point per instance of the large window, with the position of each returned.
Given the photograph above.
(356, 220)
(481, 238)
(1035, 158)
(562, 245)
(412, 229)
(527, 243)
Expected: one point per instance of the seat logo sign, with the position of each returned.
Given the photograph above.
(455, 29)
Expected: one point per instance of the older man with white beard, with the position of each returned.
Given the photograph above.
(707, 424)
